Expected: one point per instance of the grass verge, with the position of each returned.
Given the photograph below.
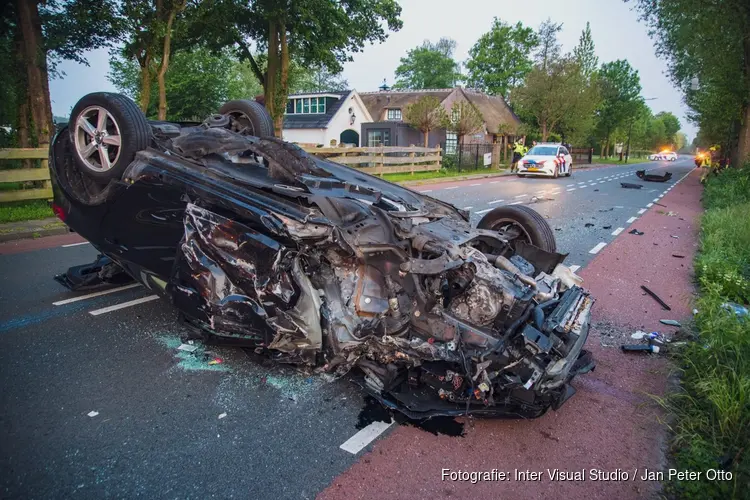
(711, 429)
(437, 174)
(24, 210)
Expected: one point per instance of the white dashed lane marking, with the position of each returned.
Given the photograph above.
(452, 187)
(515, 203)
(574, 267)
(357, 442)
(75, 244)
(618, 231)
(95, 294)
(632, 219)
(571, 189)
(598, 247)
(475, 184)
(426, 191)
(483, 211)
(468, 208)
(521, 195)
(494, 182)
(642, 211)
(649, 205)
(495, 202)
(142, 300)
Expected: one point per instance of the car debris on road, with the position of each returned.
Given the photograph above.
(653, 177)
(636, 232)
(630, 185)
(656, 298)
(258, 243)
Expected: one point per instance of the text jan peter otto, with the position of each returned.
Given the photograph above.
(585, 475)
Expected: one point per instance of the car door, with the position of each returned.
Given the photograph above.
(568, 159)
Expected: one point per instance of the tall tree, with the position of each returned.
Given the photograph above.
(548, 48)
(429, 66)
(313, 32)
(425, 115)
(501, 58)
(620, 87)
(554, 90)
(671, 124)
(585, 52)
(710, 42)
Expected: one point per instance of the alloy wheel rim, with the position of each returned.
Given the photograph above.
(97, 139)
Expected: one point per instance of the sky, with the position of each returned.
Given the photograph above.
(615, 28)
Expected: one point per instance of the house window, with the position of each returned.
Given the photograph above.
(378, 137)
(306, 105)
(451, 143)
(394, 115)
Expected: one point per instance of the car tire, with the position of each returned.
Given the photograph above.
(538, 232)
(106, 131)
(521, 175)
(250, 117)
(570, 171)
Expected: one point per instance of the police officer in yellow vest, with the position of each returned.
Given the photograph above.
(519, 150)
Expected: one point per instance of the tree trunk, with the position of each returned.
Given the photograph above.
(426, 138)
(544, 130)
(35, 61)
(272, 71)
(145, 97)
(283, 90)
(24, 141)
(165, 61)
(743, 146)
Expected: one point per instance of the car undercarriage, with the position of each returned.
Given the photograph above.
(349, 274)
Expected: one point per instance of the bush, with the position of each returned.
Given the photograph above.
(712, 409)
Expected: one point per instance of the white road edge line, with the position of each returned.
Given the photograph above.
(495, 202)
(482, 211)
(357, 442)
(426, 191)
(475, 184)
(97, 312)
(515, 203)
(574, 267)
(642, 211)
(452, 187)
(632, 219)
(95, 294)
(598, 247)
(521, 195)
(76, 244)
(618, 231)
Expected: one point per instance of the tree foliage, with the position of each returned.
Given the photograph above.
(425, 115)
(501, 58)
(312, 32)
(620, 90)
(585, 53)
(429, 66)
(548, 48)
(708, 41)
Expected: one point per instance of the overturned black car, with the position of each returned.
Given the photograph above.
(318, 264)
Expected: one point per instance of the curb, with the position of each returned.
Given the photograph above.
(51, 229)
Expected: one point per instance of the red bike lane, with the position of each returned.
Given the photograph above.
(608, 429)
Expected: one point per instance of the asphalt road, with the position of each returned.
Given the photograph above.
(106, 404)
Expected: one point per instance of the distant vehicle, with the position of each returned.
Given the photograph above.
(546, 159)
(663, 156)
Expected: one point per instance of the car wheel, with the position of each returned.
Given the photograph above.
(520, 223)
(249, 118)
(521, 175)
(106, 131)
(570, 171)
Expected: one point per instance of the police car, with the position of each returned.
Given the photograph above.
(546, 159)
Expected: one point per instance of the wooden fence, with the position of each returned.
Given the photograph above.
(378, 161)
(23, 175)
(384, 159)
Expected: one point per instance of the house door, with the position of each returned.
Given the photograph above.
(349, 137)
